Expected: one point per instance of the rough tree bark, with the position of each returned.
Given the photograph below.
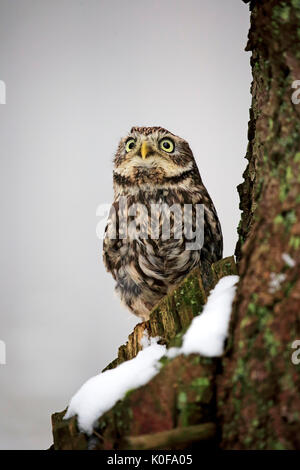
(259, 391)
(178, 406)
(249, 399)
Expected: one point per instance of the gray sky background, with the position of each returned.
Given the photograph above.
(79, 74)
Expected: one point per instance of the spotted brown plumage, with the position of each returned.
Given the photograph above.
(154, 168)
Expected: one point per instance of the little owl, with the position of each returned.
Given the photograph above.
(155, 173)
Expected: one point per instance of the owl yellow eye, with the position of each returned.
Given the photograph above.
(167, 145)
(130, 144)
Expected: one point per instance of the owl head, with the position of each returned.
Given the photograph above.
(152, 155)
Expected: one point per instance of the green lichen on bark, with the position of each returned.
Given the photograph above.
(173, 314)
(274, 120)
(182, 394)
(252, 393)
(260, 384)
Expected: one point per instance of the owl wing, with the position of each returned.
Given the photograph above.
(111, 243)
(212, 249)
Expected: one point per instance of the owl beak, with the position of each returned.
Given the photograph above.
(144, 149)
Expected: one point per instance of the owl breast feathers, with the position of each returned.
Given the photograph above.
(162, 221)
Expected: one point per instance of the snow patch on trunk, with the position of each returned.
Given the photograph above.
(206, 336)
(207, 332)
(100, 393)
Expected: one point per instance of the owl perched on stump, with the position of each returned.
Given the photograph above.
(162, 223)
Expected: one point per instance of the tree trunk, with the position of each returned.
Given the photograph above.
(249, 399)
(259, 391)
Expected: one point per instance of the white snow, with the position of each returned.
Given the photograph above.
(206, 336)
(100, 393)
(147, 340)
(288, 260)
(207, 332)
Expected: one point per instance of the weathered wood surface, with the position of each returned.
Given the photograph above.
(181, 394)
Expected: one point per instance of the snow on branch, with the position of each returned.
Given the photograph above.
(206, 336)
